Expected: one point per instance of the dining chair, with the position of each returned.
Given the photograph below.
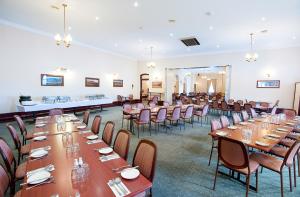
(245, 115)
(202, 113)
(22, 150)
(120, 99)
(230, 101)
(54, 112)
(140, 106)
(86, 117)
(188, 115)
(247, 107)
(16, 172)
(25, 135)
(215, 107)
(96, 124)
(108, 132)
(175, 116)
(121, 143)
(215, 125)
(179, 102)
(276, 103)
(253, 113)
(233, 155)
(240, 102)
(159, 118)
(237, 107)
(252, 103)
(143, 119)
(152, 104)
(224, 108)
(274, 110)
(145, 158)
(236, 118)
(277, 165)
(126, 107)
(4, 181)
(224, 121)
(166, 104)
(290, 113)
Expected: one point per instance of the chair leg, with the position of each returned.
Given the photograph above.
(122, 121)
(294, 167)
(216, 174)
(281, 184)
(150, 129)
(138, 128)
(290, 178)
(298, 164)
(256, 184)
(248, 183)
(211, 151)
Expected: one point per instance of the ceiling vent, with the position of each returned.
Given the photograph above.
(190, 41)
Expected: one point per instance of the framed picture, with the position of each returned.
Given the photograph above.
(52, 80)
(156, 84)
(118, 83)
(268, 84)
(92, 82)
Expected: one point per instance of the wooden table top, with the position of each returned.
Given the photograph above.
(100, 172)
(259, 133)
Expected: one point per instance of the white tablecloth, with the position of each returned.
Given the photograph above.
(44, 106)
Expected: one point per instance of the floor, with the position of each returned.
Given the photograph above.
(182, 160)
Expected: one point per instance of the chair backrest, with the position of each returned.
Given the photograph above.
(215, 104)
(205, 110)
(119, 98)
(189, 112)
(15, 136)
(215, 125)
(176, 113)
(253, 113)
(237, 106)
(236, 118)
(145, 158)
(225, 122)
(155, 99)
(179, 102)
(276, 103)
(121, 144)
(86, 117)
(290, 113)
(108, 132)
(54, 112)
(166, 104)
(4, 181)
(290, 155)
(8, 157)
(273, 112)
(145, 115)
(127, 106)
(233, 153)
(247, 107)
(240, 102)
(152, 104)
(161, 114)
(140, 106)
(21, 125)
(230, 101)
(96, 124)
(245, 115)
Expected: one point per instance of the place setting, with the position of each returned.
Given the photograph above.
(40, 133)
(39, 153)
(107, 154)
(40, 138)
(93, 139)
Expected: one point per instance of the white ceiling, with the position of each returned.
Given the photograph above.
(118, 28)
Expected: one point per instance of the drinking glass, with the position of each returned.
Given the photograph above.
(247, 135)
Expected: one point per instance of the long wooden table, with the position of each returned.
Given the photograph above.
(258, 133)
(100, 172)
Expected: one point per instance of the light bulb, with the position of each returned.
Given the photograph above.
(57, 38)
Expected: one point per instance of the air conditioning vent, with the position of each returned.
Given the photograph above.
(190, 41)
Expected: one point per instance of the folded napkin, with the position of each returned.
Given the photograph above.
(94, 141)
(48, 168)
(40, 133)
(86, 131)
(42, 148)
(109, 157)
(118, 189)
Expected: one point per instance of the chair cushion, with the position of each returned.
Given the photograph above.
(140, 122)
(21, 171)
(287, 142)
(267, 161)
(25, 149)
(29, 136)
(294, 136)
(253, 165)
(279, 151)
(198, 113)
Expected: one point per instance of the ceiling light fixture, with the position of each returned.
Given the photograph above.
(218, 46)
(211, 28)
(136, 4)
(151, 64)
(251, 56)
(67, 39)
(171, 34)
(263, 19)
(294, 37)
(97, 18)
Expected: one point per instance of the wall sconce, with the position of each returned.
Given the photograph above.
(268, 75)
(61, 70)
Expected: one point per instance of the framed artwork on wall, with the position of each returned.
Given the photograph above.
(156, 84)
(268, 84)
(52, 80)
(118, 83)
(92, 82)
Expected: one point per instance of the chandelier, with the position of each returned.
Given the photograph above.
(151, 64)
(251, 56)
(66, 39)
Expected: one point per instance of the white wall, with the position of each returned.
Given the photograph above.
(25, 55)
(282, 64)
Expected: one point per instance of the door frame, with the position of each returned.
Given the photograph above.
(141, 83)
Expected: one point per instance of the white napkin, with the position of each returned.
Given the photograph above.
(29, 173)
(41, 133)
(120, 190)
(41, 148)
(109, 157)
(86, 131)
(93, 141)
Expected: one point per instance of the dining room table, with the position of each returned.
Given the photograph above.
(100, 174)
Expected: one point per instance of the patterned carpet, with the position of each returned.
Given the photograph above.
(182, 168)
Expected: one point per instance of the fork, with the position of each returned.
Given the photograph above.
(51, 180)
(112, 184)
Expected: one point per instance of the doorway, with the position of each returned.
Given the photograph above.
(144, 85)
